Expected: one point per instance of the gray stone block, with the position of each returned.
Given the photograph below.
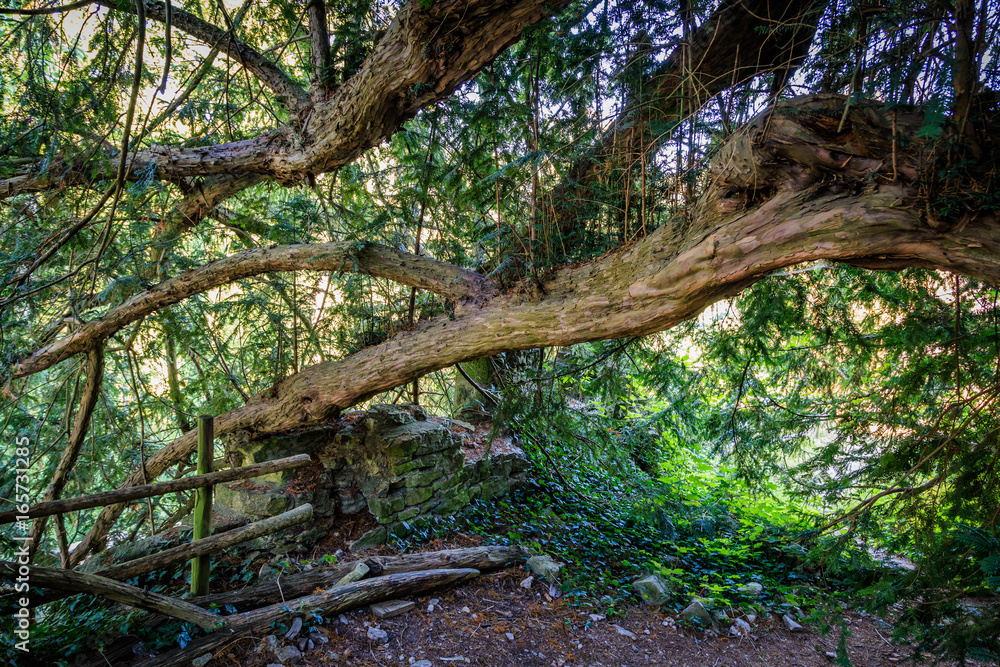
(384, 506)
(391, 608)
(252, 501)
(408, 514)
(651, 589)
(382, 416)
(493, 487)
(373, 538)
(423, 478)
(418, 495)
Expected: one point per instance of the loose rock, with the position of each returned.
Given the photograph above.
(791, 624)
(373, 538)
(391, 608)
(378, 635)
(651, 589)
(622, 631)
(544, 567)
(753, 589)
(696, 611)
(288, 655)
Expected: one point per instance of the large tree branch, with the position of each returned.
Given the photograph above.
(345, 257)
(269, 74)
(742, 39)
(786, 190)
(319, 45)
(426, 54)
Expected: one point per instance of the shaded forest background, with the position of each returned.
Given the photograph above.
(807, 426)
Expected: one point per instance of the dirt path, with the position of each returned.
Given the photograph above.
(494, 621)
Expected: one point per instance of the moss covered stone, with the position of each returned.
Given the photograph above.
(417, 495)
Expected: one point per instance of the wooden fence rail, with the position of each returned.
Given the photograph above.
(158, 489)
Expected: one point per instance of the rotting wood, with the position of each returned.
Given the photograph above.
(184, 552)
(209, 545)
(158, 489)
(484, 559)
(68, 581)
(327, 603)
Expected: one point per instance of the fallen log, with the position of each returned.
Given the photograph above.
(483, 559)
(333, 601)
(158, 489)
(479, 558)
(77, 582)
(209, 545)
(184, 552)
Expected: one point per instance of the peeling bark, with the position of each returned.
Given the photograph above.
(787, 189)
(741, 40)
(373, 259)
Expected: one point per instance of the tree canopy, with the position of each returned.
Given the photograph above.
(275, 211)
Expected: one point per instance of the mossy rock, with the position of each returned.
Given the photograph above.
(251, 501)
(418, 495)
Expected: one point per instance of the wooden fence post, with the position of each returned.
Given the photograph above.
(203, 504)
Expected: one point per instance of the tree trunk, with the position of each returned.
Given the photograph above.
(788, 188)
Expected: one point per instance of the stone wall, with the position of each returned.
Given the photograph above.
(394, 461)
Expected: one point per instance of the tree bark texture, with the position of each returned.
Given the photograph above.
(426, 54)
(741, 40)
(483, 559)
(327, 603)
(788, 188)
(68, 581)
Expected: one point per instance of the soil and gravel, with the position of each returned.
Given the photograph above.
(494, 620)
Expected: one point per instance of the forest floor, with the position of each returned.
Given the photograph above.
(493, 620)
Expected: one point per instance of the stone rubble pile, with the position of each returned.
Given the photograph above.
(395, 461)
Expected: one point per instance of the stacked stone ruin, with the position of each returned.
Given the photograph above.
(394, 461)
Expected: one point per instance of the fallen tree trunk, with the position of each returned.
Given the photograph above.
(483, 559)
(69, 581)
(795, 185)
(150, 490)
(333, 601)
